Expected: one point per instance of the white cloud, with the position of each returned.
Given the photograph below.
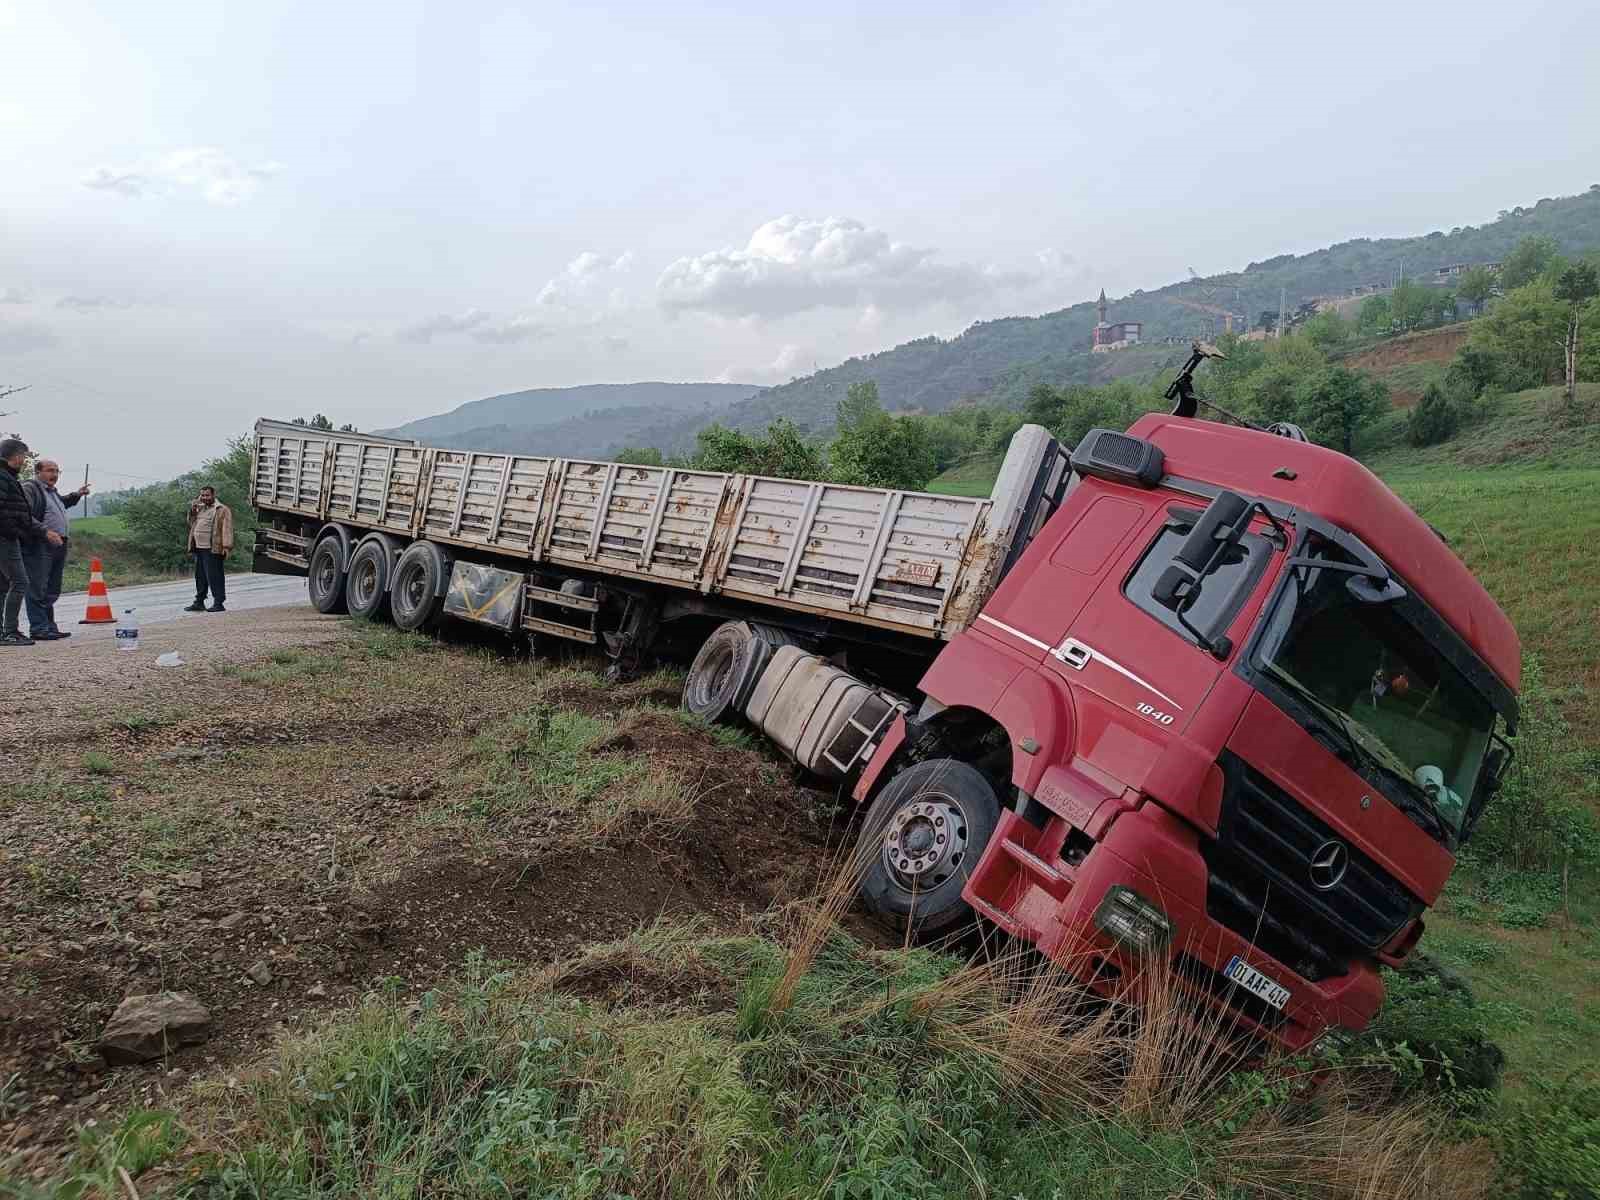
(443, 324)
(13, 295)
(218, 177)
(513, 329)
(794, 264)
(585, 279)
(615, 345)
(791, 361)
(90, 303)
(474, 323)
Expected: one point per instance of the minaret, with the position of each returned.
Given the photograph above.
(1100, 306)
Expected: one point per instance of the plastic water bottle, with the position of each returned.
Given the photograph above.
(128, 630)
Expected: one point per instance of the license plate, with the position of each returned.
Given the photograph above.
(1254, 982)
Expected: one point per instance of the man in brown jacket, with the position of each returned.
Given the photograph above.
(210, 540)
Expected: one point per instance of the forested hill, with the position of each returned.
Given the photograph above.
(1001, 359)
(539, 407)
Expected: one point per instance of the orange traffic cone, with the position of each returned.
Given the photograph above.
(99, 599)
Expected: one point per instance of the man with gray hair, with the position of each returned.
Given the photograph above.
(45, 560)
(17, 530)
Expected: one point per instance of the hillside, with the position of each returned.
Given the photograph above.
(539, 407)
(999, 360)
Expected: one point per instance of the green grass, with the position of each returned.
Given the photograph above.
(103, 526)
(879, 1081)
(975, 477)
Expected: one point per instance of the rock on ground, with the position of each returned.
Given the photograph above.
(148, 1026)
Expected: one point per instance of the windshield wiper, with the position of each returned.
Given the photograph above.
(1354, 754)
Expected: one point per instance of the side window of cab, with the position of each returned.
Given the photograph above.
(1225, 590)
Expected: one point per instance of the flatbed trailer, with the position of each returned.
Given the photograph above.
(831, 555)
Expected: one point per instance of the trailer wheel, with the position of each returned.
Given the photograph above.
(724, 673)
(921, 839)
(414, 598)
(367, 589)
(325, 580)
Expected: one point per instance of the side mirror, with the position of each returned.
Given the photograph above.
(1219, 523)
(1494, 766)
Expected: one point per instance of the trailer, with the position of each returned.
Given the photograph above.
(633, 559)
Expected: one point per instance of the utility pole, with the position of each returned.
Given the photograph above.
(1282, 297)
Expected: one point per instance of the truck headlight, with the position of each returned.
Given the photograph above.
(1132, 920)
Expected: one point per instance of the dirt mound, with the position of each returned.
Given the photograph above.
(1430, 345)
(320, 837)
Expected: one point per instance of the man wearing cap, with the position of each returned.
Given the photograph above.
(17, 530)
(45, 561)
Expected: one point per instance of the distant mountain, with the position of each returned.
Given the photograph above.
(998, 361)
(994, 361)
(540, 408)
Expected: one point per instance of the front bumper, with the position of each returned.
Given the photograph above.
(1024, 885)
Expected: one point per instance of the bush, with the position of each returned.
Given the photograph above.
(1539, 822)
(1431, 1035)
(1434, 419)
(1548, 1144)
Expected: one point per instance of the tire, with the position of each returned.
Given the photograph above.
(367, 586)
(415, 595)
(933, 799)
(326, 578)
(724, 673)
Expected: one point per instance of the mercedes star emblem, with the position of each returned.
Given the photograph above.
(1329, 862)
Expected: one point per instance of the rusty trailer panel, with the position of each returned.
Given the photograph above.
(909, 561)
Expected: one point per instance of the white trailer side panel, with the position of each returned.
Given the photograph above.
(911, 561)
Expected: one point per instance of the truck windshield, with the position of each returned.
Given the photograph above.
(1349, 652)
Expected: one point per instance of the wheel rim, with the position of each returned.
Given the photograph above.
(710, 683)
(925, 843)
(327, 573)
(364, 581)
(412, 588)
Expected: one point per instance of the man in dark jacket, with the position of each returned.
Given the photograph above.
(17, 529)
(44, 561)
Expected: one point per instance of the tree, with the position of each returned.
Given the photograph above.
(1336, 403)
(1577, 285)
(157, 516)
(1433, 420)
(318, 422)
(1475, 287)
(1528, 261)
(874, 449)
(1408, 305)
(639, 456)
(1327, 330)
(1522, 335)
(780, 452)
(1375, 315)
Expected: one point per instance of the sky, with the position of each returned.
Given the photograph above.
(214, 212)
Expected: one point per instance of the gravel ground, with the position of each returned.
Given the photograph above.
(62, 688)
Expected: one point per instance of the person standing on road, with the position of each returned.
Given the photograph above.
(210, 540)
(45, 560)
(18, 530)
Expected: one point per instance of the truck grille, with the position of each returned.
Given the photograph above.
(1261, 880)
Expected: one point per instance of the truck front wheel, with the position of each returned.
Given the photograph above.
(922, 837)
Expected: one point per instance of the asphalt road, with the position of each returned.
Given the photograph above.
(157, 603)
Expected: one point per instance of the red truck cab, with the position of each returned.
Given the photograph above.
(1251, 700)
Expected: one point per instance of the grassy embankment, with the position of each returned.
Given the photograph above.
(105, 538)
